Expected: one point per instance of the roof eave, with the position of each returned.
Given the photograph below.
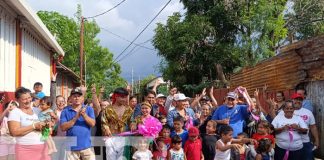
(36, 22)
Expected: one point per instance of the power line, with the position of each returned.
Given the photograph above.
(143, 29)
(131, 51)
(139, 45)
(107, 10)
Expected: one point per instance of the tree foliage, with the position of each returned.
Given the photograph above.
(100, 68)
(305, 19)
(231, 33)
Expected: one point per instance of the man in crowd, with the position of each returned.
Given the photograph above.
(159, 108)
(77, 120)
(231, 113)
(306, 102)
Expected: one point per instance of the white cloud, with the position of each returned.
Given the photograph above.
(126, 20)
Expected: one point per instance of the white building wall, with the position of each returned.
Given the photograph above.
(35, 63)
(7, 51)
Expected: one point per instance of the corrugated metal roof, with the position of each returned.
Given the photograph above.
(299, 62)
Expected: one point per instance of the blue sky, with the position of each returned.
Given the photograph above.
(127, 20)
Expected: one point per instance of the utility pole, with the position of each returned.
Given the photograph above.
(81, 49)
(132, 81)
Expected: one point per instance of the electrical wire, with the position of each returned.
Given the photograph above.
(139, 45)
(143, 30)
(107, 10)
(131, 51)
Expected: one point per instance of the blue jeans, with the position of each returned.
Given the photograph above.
(307, 151)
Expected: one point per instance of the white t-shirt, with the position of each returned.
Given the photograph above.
(308, 118)
(33, 137)
(143, 155)
(282, 139)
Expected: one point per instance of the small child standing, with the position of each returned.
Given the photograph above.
(143, 152)
(240, 153)
(193, 146)
(264, 150)
(263, 131)
(163, 120)
(165, 134)
(176, 152)
(161, 150)
(46, 115)
(209, 140)
(224, 145)
(178, 123)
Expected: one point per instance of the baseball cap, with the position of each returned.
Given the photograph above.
(193, 131)
(76, 90)
(297, 95)
(180, 97)
(40, 95)
(232, 95)
(160, 96)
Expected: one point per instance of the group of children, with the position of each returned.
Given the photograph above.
(181, 143)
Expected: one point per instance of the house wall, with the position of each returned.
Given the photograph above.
(315, 92)
(36, 62)
(7, 51)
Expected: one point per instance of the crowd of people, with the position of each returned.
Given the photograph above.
(238, 128)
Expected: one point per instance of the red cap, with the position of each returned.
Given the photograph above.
(297, 95)
(193, 131)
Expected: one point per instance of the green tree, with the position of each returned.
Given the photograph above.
(100, 68)
(305, 19)
(230, 33)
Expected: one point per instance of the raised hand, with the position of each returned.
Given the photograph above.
(128, 87)
(256, 93)
(273, 103)
(203, 93)
(11, 106)
(265, 87)
(53, 78)
(211, 92)
(93, 89)
(102, 89)
(83, 88)
(2, 99)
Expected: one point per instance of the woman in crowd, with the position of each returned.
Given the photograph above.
(132, 101)
(275, 104)
(289, 129)
(203, 117)
(24, 125)
(181, 110)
